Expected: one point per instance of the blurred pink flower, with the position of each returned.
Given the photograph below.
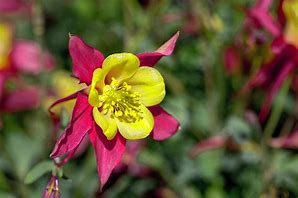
(239, 57)
(13, 6)
(213, 142)
(224, 142)
(232, 60)
(27, 57)
(261, 18)
(52, 188)
(17, 58)
(270, 76)
(289, 141)
(22, 98)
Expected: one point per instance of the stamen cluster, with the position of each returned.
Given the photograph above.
(117, 100)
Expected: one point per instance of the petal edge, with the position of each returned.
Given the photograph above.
(108, 153)
(165, 125)
(151, 58)
(85, 59)
(80, 124)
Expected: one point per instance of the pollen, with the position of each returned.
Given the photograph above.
(120, 102)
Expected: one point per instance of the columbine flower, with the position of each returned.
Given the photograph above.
(18, 57)
(120, 93)
(52, 188)
(22, 56)
(284, 29)
(270, 76)
(260, 17)
(121, 103)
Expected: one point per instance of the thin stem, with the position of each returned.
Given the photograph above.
(38, 30)
(269, 130)
(276, 111)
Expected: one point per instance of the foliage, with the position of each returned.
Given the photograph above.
(200, 94)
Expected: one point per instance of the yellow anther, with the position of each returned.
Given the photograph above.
(118, 113)
(105, 106)
(120, 102)
(106, 89)
(102, 98)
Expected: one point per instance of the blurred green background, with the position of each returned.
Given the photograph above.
(200, 95)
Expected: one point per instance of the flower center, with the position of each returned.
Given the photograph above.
(119, 101)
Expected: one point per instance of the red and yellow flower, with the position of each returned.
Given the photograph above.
(120, 103)
(284, 49)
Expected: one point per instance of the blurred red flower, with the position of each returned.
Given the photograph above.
(232, 60)
(270, 76)
(19, 57)
(13, 6)
(288, 141)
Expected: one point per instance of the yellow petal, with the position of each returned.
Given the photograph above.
(107, 124)
(93, 98)
(291, 33)
(64, 85)
(290, 11)
(121, 66)
(96, 82)
(5, 44)
(97, 77)
(139, 129)
(149, 83)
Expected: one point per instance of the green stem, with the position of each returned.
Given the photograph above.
(276, 111)
(39, 30)
(269, 130)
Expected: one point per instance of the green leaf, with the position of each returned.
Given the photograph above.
(64, 118)
(284, 170)
(238, 129)
(38, 170)
(6, 195)
(23, 151)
